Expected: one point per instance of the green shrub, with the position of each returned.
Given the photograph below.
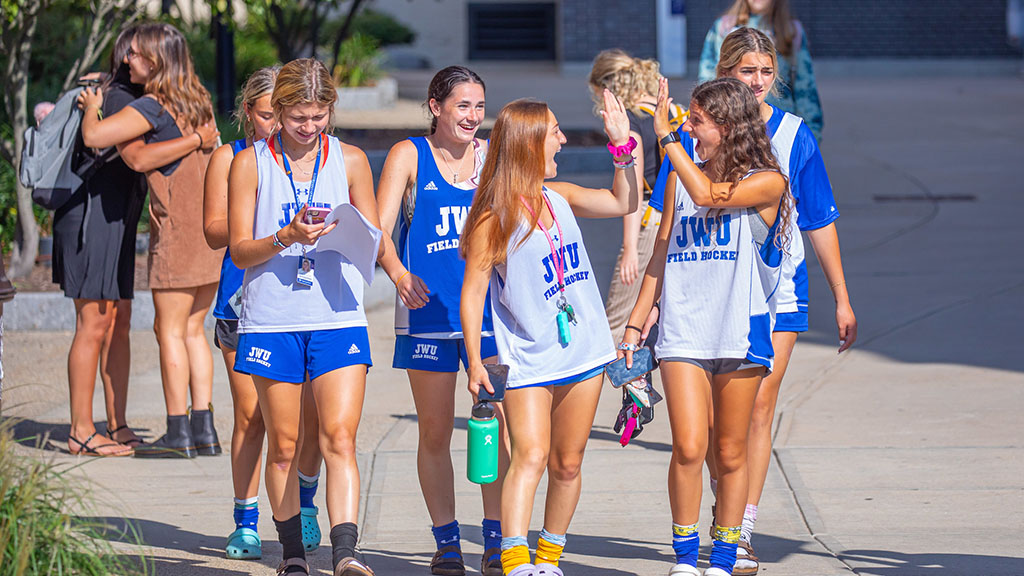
(38, 533)
(358, 62)
(385, 29)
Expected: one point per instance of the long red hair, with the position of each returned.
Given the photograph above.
(512, 173)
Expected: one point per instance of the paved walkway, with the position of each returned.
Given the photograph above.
(903, 456)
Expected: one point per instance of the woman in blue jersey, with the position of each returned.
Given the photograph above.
(522, 240)
(428, 184)
(256, 117)
(715, 266)
(295, 324)
(749, 56)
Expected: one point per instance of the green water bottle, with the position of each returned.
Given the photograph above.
(482, 459)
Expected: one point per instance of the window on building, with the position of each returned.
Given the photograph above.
(512, 31)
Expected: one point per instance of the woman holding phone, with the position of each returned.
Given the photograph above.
(521, 240)
(298, 324)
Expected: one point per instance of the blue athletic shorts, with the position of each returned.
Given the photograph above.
(437, 355)
(791, 322)
(574, 379)
(289, 356)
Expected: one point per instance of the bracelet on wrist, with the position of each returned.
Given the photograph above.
(628, 347)
(668, 139)
(631, 327)
(277, 241)
(624, 164)
(397, 282)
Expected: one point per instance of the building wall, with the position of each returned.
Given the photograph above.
(587, 27)
(882, 28)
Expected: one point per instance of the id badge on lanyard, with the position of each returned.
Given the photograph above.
(565, 316)
(304, 276)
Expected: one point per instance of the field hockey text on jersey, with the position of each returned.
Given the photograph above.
(457, 216)
(570, 254)
(699, 230)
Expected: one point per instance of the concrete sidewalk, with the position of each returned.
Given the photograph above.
(903, 456)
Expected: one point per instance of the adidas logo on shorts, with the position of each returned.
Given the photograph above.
(353, 349)
(430, 186)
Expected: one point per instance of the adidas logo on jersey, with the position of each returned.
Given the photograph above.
(353, 349)
(430, 186)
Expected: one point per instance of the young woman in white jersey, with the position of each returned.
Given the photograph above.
(429, 183)
(522, 240)
(293, 325)
(255, 116)
(715, 267)
(749, 55)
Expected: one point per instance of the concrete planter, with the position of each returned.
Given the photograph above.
(380, 96)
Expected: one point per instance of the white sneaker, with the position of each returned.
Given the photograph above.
(684, 570)
(545, 569)
(716, 572)
(524, 570)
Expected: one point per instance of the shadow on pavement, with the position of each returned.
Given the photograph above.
(52, 436)
(888, 562)
(169, 536)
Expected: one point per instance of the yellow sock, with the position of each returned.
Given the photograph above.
(548, 552)
(514, 557)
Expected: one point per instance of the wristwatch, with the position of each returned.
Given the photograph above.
(669, 138)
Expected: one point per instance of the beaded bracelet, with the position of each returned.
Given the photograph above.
(277, 241)
(625, 164)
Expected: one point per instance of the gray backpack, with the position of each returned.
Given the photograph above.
(54, 161)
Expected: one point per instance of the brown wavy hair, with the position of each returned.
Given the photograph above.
(743, 41)
(779, 18)
(304, 81)
(745, 146)
(628, 78)
(173, 80)
(512, 172)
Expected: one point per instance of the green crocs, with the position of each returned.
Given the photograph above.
(310, 529)
(244, 544)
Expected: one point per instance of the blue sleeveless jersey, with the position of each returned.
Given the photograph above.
(429, 247)
(230, 275)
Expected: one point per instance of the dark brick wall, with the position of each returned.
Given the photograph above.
(882, 28)
(589, 26)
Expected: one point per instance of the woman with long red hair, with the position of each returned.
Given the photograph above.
(522, 240)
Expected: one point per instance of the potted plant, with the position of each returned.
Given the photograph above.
(361, 82)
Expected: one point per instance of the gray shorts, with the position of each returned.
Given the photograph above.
(225, 334)
(716, 366)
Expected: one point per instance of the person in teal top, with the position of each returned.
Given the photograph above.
(796, 91)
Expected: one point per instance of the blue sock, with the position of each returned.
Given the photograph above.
(686, 543)
(307, 489)
(247, 513)
(492, 536)
(447, 535)
(723, 547)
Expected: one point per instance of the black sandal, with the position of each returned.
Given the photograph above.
(86, 449)
(133, 443)
(444, 565)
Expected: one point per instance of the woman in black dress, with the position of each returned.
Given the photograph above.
(94, 263)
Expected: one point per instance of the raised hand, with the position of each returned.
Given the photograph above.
(661, 125)
(616, 123)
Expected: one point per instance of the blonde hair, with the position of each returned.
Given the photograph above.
(173, 80)
(778, 18)
(304, 81)
(260, 84)
(628, 78)
(743, 41)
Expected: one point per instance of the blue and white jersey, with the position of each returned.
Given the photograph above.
(720, 275)
(272, 301)
(815, 206)
(524, 298)
(230, 275)
(428, 244)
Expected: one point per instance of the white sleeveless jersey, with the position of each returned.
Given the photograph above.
(524, 297)
(782, 145)
(717, 285)
(271, 300)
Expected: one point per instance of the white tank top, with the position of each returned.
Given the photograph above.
(782, 146)
(524, 297)
(717, 285)
(271, 299)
